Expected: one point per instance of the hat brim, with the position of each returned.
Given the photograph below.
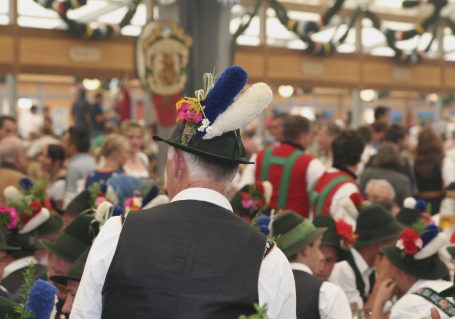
(6, 247)
(51, 226)
(392, 235)
(430, 268)
(63, 280)
(203, 153)
(295, 248)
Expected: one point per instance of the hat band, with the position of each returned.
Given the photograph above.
(294, 235)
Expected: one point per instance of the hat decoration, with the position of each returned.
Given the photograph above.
(346, 232)
(262, 223)
(133, 203)
(208, 124)
(30, 203)
(257, 196)
(421, 245)
(8, 217)
(103, 212)
(415, 214)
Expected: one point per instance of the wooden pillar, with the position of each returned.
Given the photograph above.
(11, 78)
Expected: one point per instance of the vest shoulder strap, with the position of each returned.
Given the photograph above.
(358, 276)
(442, 303)
(319, 198)
(287, 163)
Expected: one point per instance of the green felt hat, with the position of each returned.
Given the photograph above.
(27, 241)
(331, 237)
(4, 244)
(80, 203)
(259, 195)
(76, 270)
(374, 225)
(51, 226)
(74, 239)
(292, 232)
(430, 268)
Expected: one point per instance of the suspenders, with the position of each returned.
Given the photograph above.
(442, 303)
(287, 163)
(319, 199)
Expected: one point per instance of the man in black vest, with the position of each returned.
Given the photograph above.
(191, 258)
(300, 240)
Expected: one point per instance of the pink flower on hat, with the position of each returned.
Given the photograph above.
(8, 217)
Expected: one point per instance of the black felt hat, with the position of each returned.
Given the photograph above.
(76, 270)
(81, 203)
(331, 237)
(208, 124)
(375, 224)
(430, 268)
(74, 239)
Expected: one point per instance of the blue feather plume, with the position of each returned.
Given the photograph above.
(421, 205)
(226, 88)
(41, 299)
(429, 233)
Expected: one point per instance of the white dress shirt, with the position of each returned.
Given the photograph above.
(333, 302)
(276, 287)
(343, 275)
(412, 306)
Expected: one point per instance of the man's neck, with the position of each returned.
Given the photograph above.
(368, 254)
(202, 184)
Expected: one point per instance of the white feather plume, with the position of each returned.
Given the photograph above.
(103, 212)
(248, 106)
(409, 202)
(432, 247)
(12, 194)
(158, 200)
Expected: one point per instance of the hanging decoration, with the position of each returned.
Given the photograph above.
(306, 29)
(162, 57)
(92, 31)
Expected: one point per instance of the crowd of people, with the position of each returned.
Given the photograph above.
(322, 221)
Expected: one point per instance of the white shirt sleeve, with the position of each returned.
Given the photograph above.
(276, 286)
(333, 303)
(448, 171)
(411, 306)
(344, 277)
(249, 173)
(314, 171)
(88, 300)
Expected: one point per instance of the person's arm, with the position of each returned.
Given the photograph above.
(276, 286)
(448, 171)
(88, 301)
(314, 171)
(333, 303)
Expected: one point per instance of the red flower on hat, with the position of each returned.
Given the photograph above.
(409, 241)
(36, 207)
(452, 238)
(346, 232)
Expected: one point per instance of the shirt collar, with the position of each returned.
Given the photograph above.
(78, 156)
(298, 146)
(18, 264)
(301, 267)
(362, 265)
(344, 169)
(205, 195)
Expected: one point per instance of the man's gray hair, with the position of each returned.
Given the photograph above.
(381, 182)
(9, 148)
(206, 169)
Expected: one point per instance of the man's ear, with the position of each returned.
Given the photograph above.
(179, 163)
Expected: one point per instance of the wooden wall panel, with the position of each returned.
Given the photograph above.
(6, 49)
(392, 75)
(252, 62)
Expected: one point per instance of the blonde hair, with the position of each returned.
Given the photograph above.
(112, 143)
(128, 125)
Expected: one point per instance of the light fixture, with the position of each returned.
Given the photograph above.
(24, 104)
(285, 91)
(432, 98)
(367, 95)
(91, 84)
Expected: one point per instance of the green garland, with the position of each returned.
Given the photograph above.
(88, 30)
(305, 29)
